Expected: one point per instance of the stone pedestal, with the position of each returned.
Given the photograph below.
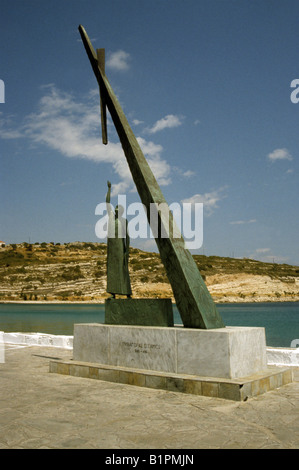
(224, 352)
(226, 362)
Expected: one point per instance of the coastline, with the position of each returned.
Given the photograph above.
(36, 316)
(33, 274)
(102, 302)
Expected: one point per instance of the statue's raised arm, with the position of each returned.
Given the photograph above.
(108, 198)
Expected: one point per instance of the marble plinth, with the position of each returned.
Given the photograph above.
(228, 363)
(229, 352)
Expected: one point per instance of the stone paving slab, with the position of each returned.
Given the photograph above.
(43, 410)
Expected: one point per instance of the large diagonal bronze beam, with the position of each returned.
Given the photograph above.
(193, 300)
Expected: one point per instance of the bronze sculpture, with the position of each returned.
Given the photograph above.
(193, 300)
(118, 243)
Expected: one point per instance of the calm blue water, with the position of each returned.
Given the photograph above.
(280, 320)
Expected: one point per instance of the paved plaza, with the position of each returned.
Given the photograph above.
(39, 410)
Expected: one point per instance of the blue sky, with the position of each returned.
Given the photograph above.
(206, 88)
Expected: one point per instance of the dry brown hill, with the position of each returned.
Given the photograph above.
(77, 272)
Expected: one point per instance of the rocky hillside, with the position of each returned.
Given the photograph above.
(77, 272)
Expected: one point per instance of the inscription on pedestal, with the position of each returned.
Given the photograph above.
(144, 348)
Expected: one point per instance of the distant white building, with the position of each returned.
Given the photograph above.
(2, 244)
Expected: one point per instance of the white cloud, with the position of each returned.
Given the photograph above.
(209, 200)
(7, 128)
(118, 60)
(280, 154)
(168, 121)
(275, 259)
(262, 250)
(182, 173)
(159, 167)
(72, 128)
(9, 133)
(241, 222)
(265, 255)
(149, 148)
(188, 173)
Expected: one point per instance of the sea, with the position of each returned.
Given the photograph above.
(280, 319)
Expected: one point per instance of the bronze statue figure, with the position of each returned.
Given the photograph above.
(118, 244)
